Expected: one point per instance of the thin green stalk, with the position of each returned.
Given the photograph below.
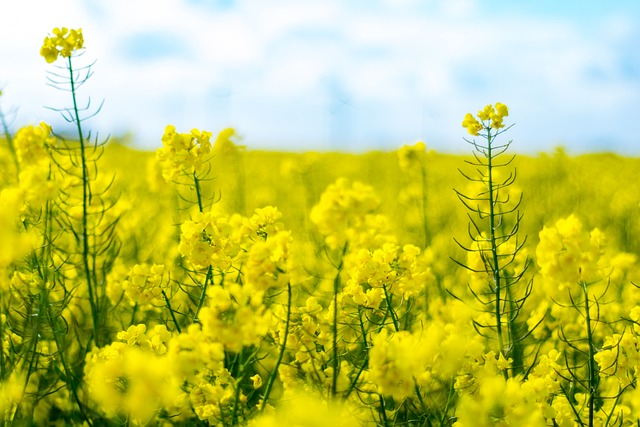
(449, 401)
(69, 376)
(517, 346)
(196, 183)
(494, 249)
(390, 309)
(35, 335)
(423, 405)
(85, 205)
(203, 296)
(425, 222)
(173, 316)
(274, 373)
(234, 414)
(365, 360)
(3, 371)
(336, 288)
(591, 363)
(383, 411)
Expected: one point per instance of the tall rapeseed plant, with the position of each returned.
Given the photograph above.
(496, 258)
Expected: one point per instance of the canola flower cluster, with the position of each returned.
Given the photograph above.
(339, 307)
(489, 114)
(64, 42)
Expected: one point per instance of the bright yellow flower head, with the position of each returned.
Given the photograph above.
(489, 113)
(472, 125)
(502, 109)
(64, 42)
(486, 112)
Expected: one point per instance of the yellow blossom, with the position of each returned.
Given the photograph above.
(256, 381)
(64, 42)
(473, 126)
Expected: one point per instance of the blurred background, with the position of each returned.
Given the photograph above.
(339, 75)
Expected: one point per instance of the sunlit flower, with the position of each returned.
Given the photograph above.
(64, 42)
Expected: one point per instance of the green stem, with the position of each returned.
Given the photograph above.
(365, 360)
(336, 288)
(35, 335)
(274, 373)
(85, 205)
(494, 248)
(425, 222)
(173, 316)
(234, 415)
(448, 404)
(203, 296)
(383, 411)
(392, 312)
(196, 182)
(3, 370)
(69, 376)
(593, 372)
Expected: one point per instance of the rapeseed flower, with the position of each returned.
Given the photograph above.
(64, 42)
(490, 117)
(183, 153)
(567, 255)
(412, 156)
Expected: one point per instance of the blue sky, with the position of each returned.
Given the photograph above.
(340, 74)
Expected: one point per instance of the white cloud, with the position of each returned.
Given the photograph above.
(408, 67)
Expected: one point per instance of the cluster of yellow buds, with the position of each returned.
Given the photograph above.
(63, 42)
(491, 114)
(183, 152)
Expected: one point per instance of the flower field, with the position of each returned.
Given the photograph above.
(209, 284)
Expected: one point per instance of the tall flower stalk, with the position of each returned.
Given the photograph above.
(495, 220)
(94, 230)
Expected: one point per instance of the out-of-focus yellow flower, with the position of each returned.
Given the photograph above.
(144, 284)
(64, 42)
(498, 402)
(32, 143)
(225, 144)
(230, 318)
(412, 156)
(567, 255)
(342, 209)
(302, 409)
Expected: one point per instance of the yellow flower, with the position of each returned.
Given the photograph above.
(494, 114)
(412, 156)
(225, 142)
(473, 126)
(486, 112)
(502, 363)
(502, 109)
(33, 142)
(64, 42)
(257, 381)
(183, 152)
